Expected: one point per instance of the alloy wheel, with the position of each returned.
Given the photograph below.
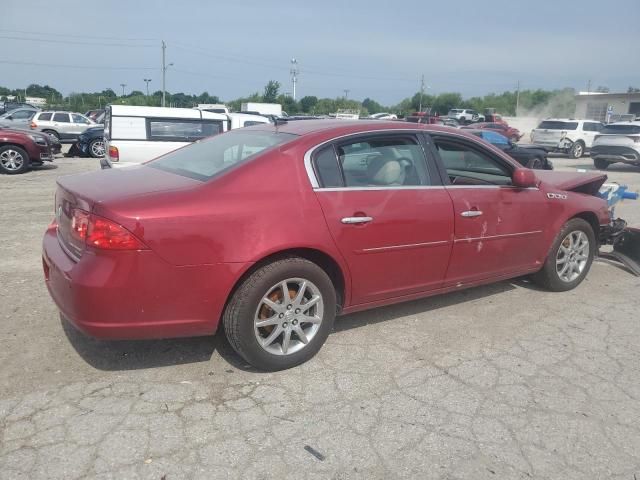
(572, 256)
(11, 160)
(288, 316)
(97, 149)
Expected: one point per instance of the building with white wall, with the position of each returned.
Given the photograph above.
(603, 106)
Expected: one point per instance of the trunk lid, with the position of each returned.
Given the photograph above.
(581, 182)
(90, 191)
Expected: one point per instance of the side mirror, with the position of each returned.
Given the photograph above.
(524, 178)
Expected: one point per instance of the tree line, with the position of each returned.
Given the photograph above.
(561, 101)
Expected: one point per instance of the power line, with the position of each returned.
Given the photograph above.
(4, 30)
(70, 42)
(82, 67)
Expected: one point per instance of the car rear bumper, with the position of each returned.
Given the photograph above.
(136, 295)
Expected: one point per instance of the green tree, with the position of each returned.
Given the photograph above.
(308, 103)
(372, 106)
(271, 90)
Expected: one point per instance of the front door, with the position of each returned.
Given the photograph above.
(388, 213)
(498, 227)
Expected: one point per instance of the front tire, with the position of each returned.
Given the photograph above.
(53, 133)
(13, 160)
(281, 315)
(570, 257)
(535, 163)
(577, 150)
(601, 164)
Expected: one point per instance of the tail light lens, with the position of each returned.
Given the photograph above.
(34, 125)
(98, 232)
(114, 155)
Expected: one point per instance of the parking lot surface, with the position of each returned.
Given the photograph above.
(498, 382)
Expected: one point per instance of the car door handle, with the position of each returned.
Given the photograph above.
(471, 213)
(356, 220)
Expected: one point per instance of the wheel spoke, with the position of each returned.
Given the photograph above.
(310, 319)
(300, 295)
(301, 335)
(564, 269)
(286, 297)
(276, 307)
(268, 321)
(305, 307)
(286, 341)
(274, 334)
(562, 260)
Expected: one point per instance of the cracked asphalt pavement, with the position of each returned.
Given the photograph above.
(499, 382)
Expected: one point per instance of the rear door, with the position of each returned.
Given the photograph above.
(388, 213)
(498, 227)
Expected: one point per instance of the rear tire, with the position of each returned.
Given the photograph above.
(13, 160)
(535, 163)
(252, 303)
(97, 148)
(577, 150)
(569, 259)
(53, 133)
(601, 164)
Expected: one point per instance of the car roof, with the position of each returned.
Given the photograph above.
(333, 127)
(163, 112)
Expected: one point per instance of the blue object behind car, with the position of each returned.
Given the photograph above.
(90, 143)
(530, 156)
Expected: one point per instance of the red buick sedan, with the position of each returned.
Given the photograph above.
(273, 230)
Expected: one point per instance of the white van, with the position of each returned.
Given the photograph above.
(137, 134)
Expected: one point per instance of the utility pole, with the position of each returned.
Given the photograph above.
(589, 87)
(517, 97)
(346, 93)
(421, 92)
(294, 75)
(147, 80)
(164, 71)
(123, 85)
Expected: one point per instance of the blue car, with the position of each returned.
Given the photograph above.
(90, 143)
(530, 156)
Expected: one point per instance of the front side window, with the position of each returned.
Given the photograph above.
(175, 130)
(467, 165)
(383, 162)
(79, 119)
(205, 159)
(61, 117)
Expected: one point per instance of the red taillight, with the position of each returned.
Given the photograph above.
(101, 233)
(114, 155)
(34, 125)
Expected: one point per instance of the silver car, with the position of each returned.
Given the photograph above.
(20, 118)
(66, 126)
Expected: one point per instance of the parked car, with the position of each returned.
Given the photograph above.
(271, 230)
(90, 143)
(463, 115)
(65, 126)
(511, 133)
(566, 135)
(8, 106)
(20, 150)
(383, 116)
(530, 156)
(617, 142)
(95, 115)
(20, 118)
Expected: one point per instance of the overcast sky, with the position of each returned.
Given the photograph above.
(373, 48)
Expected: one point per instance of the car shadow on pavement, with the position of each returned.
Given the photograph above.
(44, 167)
(111, 355)
(618, 167)
(114, 355)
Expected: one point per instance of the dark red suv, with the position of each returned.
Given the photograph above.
(21, 150)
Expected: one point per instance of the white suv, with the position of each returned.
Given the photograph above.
(618, 142)
(463, 115)
(566, 135)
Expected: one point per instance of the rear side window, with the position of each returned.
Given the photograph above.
(45, 116)
(206, 159)
(622, 129)
(495, 138)
(557, 125)
(327, 168)
(181, 130)
(383, 162)
(61, 117)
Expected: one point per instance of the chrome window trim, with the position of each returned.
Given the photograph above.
(397, 187)
(493, 237)
(309, 166)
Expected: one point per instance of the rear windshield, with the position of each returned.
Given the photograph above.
(556, 125)
(621, 129)
(204, 159)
